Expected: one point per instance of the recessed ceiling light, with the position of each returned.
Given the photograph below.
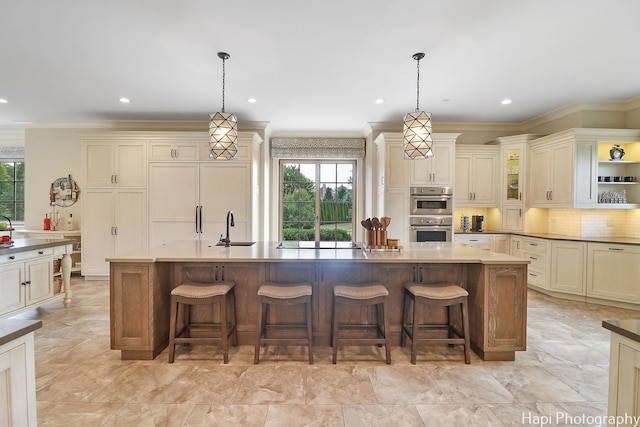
(379, 101)
(124, 100)
(506, 102)
(3, 101)
(251, 100)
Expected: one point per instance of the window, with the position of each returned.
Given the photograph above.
(12, 185)
(12, 189)
(317, 202)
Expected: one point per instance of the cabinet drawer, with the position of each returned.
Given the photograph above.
(23, 256)
(538, 260)
(533, 245)
(536, 277)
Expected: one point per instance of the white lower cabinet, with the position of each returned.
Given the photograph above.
(624, 377)
(613, 272)
(25, 280)
(476, 241)
(502, 244)
(18, 383)
(568, 267)
(114, 222)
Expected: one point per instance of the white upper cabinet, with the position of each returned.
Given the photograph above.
(173, 151)
(436, 170)
(476, 171)
(115, 164)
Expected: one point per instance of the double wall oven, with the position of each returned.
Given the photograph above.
(431, 214)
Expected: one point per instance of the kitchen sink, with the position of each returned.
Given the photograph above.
(234, 244)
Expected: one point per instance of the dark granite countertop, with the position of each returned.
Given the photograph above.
(24, 245)
(11, 329)
(629, 328)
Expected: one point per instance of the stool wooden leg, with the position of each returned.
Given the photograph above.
(256, 357)
(465, 327)
(310, 331)
(172, 330)
(223, 329)
(334, 331)
(385, 324)
(414, 332)
(403, 327)
(234, 318)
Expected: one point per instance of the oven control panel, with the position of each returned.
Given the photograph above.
(431, 220)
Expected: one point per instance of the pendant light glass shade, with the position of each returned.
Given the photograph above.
(417, 126)
(223, 127)
(417, 135)
(223, 132)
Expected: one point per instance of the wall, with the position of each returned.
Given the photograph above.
(50, 154)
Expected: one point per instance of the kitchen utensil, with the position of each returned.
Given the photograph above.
(368, 222)
(376, 223)
(385, 221)
(364, 224)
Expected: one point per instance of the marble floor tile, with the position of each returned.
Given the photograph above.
(80, 381)
(150, 415)
(265, 384)
(405, 385)
(305, 415)
(458, 415)
(340, 384)
(382, 416)
(227, 416)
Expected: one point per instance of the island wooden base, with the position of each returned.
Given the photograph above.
(140, 295)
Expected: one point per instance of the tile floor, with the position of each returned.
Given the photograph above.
(81, 382)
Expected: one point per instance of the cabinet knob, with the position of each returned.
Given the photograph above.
(12, 257)
(40, 252)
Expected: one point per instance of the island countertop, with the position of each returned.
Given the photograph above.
(201, 251)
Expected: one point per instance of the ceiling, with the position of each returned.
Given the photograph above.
(312, 66)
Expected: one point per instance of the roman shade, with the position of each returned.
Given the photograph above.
(318, 148)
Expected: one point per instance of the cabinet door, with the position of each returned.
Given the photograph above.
(173, 201)
(568, 267)
(131, 164)
(540, 176)
(396, 167)
(396, 206)
(99, 161)
(627, 380)
(130, 214)
(483, 183)
(442, 163)
(513, 177)
(167, 151)
(562, 174)
(511, 217)
(97, 230)
(225, 187)
(462, 189)
(39, 273)
(517, 247)
(502, 245)
(12, 295)
(613, 271)
(17, 384)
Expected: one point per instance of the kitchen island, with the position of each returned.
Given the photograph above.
(141, 284)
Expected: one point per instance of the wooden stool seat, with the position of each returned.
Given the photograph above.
(370, 294)
(439, 295)
(279, 294)
(195, 293)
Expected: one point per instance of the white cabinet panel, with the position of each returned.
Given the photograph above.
(114, 164)
(613, 272)
(12, 295)
(475, 171)
(114, 222)
(17, 383)
(568, 267)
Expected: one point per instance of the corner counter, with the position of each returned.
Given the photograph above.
(141, 284)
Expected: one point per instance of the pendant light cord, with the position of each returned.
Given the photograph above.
(223, 76)
(417, 87)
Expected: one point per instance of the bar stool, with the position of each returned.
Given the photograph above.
(195, 293)
(439, 295)
(370, 294)
(283, 295)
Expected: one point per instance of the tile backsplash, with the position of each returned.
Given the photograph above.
(595, 222)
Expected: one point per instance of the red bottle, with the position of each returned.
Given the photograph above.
(47, 222)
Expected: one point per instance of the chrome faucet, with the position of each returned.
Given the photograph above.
(227, 241)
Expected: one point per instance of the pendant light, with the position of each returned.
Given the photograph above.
(417, 127)
(223, 127)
